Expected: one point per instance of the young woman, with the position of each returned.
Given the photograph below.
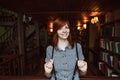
(61, 58)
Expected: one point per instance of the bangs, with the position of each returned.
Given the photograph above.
(58, 23)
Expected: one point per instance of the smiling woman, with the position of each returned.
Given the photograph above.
(64, 56)
(61, 56)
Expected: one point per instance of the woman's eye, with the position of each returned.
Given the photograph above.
(67, 27)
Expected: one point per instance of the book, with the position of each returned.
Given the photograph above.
(102, 67)
(117, 47)
(117, 29)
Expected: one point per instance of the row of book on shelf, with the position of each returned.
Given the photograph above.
(107, 58)
(110, 45)
(107, 71)
(111, 30)
(107, 64)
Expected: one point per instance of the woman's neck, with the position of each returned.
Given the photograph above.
(62, 43)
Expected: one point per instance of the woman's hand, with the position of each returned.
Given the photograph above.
(82, 65)
(48, 66)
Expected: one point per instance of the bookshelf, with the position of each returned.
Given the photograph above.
(109, 57)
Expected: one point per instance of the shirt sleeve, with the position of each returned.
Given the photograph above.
(48, 53)
(80, 52)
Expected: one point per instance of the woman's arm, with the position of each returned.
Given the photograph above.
(82, 66)
(48, 62)
(48, 66)
(48, 74)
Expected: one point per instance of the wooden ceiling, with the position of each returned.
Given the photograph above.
(45, 10)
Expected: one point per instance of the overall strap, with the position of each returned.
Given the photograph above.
(53, 64)
(76, 62)
(52, 53)
(77, 52)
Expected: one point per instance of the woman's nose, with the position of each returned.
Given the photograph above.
(64, 30)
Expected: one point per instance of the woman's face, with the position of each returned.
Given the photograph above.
(63, 32)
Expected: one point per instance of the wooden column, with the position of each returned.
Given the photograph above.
(21, 43)
(37, 36)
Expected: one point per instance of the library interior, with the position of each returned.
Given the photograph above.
(26, 29)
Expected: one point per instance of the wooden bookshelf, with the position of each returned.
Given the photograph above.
(109, 57)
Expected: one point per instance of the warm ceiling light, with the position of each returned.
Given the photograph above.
(95, 13)
(85, 21)
(94, 20)
(51, 24)
(84, 17)
(78, 23)
(84, 26)
(51, 30)
(78, 28)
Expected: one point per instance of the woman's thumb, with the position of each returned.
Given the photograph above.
(51, 60)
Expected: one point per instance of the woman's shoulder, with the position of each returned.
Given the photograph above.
(49, 47)
(78, 44)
